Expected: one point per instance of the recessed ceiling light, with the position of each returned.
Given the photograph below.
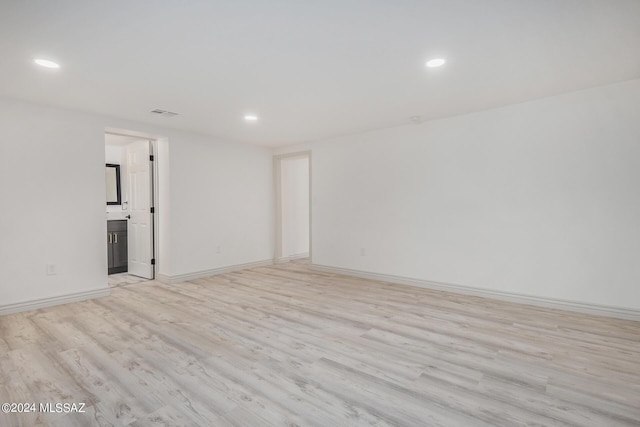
(436, 62)
(46, 63)
(251, 117)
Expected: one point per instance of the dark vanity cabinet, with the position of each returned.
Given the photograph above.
(117, 246)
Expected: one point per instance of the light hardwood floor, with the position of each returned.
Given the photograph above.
(287, 346)
(124, 279)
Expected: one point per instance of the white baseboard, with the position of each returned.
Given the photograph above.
(51, 301)
(169, 280)
(577, 306)
(291, 257)
(299, 256)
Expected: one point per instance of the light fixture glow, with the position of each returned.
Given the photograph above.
(436, 62)
(251, 118)
(46, 63)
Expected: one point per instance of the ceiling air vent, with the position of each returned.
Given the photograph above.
(163, 113)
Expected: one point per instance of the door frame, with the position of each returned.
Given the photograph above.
(155, 195)
(277, 180)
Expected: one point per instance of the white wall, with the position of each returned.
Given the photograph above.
(222, 210)
(163, 203)
(53, 197)
(294, 184)
(540, 198)
(52, 187)
(115, 154)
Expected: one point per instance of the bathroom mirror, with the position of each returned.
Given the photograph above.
(113, 184)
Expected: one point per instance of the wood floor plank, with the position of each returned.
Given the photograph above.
(287, 345)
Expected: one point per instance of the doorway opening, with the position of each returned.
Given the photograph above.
(131, 219)
(292, 173)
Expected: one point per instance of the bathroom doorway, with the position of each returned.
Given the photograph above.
(131, 218)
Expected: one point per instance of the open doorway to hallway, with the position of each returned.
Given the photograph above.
(130, 208)
(293, 207)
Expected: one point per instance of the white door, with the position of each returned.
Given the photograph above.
(140, 230)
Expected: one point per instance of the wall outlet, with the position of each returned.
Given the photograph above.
(51, 270)
(362, 252)
(218, 249)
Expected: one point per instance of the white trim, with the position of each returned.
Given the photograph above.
(577, 306)
(163, 278)
(277, 178)
(298, 256)
(169, 280)
(291, 258)
(51, 301)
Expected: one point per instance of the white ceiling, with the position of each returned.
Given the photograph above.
(310, 70)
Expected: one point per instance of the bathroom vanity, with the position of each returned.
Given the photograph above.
(117, 246)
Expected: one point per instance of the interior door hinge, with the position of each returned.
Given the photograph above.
(151, 158)
(153, 261)
(153, 210)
